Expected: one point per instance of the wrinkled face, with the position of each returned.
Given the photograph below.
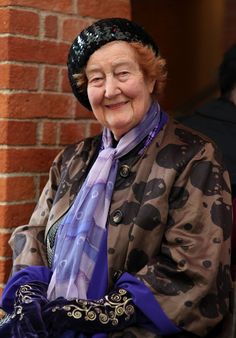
(117, 90)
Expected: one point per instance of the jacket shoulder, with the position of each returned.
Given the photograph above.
(81, 149)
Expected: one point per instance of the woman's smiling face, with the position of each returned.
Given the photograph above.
(118, 92)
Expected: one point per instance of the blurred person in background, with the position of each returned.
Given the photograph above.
(217, 118)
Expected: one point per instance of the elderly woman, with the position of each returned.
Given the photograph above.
(131, 235)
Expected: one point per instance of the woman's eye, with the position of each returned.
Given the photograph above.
(123, 75)
(96, 80)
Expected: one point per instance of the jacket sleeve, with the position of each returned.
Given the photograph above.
(190, 276)
(27, 241)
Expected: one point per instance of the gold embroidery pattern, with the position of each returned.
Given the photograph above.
(106, 310)
(24, 296)
(24, 293)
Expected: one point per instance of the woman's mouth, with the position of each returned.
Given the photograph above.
(114, 106)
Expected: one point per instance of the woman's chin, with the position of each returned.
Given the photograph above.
(120, 130)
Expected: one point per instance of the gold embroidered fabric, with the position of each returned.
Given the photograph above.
(107, 310)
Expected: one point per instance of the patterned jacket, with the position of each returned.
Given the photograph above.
(169, 223)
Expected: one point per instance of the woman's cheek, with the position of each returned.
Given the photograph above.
(94, 95)
(132, 89)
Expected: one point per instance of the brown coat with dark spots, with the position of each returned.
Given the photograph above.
(173, 229)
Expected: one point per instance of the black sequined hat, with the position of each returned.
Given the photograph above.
(94, 37)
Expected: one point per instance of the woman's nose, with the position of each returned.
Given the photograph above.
(111, 87)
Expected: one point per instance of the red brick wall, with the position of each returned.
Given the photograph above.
(38, 113)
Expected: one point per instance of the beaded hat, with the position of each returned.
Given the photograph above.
(96, 36)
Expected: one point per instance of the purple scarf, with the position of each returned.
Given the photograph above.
(81, 232)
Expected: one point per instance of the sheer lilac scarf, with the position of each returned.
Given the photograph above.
(81, 232)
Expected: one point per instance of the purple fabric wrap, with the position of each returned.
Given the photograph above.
(150, 308)
(24, 276)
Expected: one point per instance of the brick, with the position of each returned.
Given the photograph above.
(19, 22)
(18, 77)
(104, 9)
(1, 291)
(4, 21)
(65, 84)
(17, 132)
(26, 160)
(5, 249)
(64, 6)
(14, 215)
(3, 48)
(72, 132)
(50, 26)
(94, 129)
(33, 50)
(5, 74)
(34, 105)
(5, 269)
(49, 134)
(51, 78)
(18, 188)
(72, 27)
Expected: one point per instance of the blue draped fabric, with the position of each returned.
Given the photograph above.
(24, 276)
(152, 315)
